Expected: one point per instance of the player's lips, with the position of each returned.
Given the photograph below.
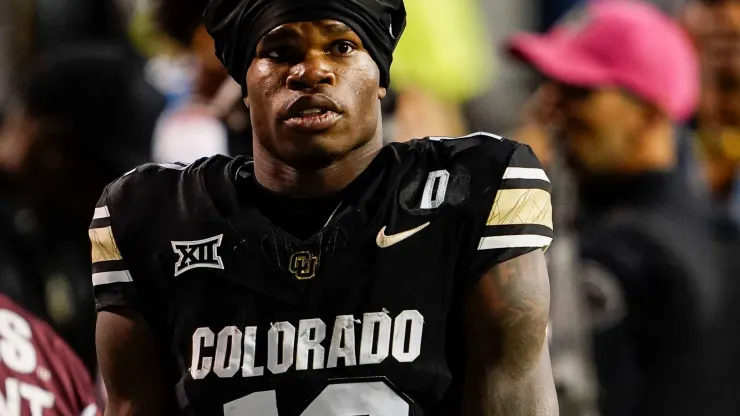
(312, 113)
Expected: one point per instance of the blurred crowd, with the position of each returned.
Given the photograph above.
(633, 108)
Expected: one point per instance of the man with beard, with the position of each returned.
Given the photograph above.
(622, 75)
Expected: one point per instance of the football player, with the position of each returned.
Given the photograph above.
(329, 275)
(41, 374)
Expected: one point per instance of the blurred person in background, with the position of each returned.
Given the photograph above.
(622, 75)
(714, 26)
(442, 46)
(60, 22)
(15, 41)
(205, 114)
(181, 21)
(41, 374)
(80, 117)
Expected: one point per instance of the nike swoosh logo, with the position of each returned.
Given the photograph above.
(385, 241)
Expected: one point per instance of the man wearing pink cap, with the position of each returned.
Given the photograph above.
(624, 74)
(638, 62)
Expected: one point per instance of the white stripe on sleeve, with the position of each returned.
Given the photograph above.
(104, 278)
(101, 212)
(514, 241)
(525, 173)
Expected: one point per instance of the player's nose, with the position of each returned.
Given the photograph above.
(312, 71)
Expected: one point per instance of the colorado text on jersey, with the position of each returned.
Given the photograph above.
(380, 336)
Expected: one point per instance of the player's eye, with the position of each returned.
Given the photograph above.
(343, 47)
(277, 53)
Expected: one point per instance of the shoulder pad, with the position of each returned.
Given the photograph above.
(476, 140)
(482, 155)
(149, 172)
(152, 179)
(139, 192)
(473, 165)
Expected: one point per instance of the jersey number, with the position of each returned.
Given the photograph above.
(435, 189)
(16, 349)
(346, 399)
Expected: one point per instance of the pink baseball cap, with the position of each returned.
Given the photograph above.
(621, 43)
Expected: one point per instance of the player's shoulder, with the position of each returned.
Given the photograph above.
(484, 161)
(474, 141)
(150, 188)
(478, 151)
(153, 180)
(462, 176)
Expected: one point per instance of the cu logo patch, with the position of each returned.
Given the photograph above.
(303, 265)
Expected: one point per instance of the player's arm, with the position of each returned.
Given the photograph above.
(130, 364)
(508, 364)
(130, 359)
(505, 311)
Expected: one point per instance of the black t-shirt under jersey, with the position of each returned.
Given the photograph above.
(299, 217)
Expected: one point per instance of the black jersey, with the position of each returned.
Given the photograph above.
(361, 318)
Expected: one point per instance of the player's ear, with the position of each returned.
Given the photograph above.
(382, 92)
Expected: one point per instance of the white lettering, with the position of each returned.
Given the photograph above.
(250, 350)
(38, 399)
(90, 410)
(198, 370)
(16, 350)
(275, 364)
(10, 405)
(262, 403)
(229, 338)
(369, 322)
(361, 398)
(342, 342)
(435, 189)
(399, 336)
(381, 336)
(307, 343)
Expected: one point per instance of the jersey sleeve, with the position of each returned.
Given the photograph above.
(518, 218)
(112, 282)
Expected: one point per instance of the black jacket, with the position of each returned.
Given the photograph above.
(660, 280)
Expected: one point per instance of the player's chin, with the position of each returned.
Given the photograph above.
(317, 150)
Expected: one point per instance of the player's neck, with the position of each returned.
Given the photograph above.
(281, 178)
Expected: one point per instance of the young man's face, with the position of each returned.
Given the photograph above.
(313, 91)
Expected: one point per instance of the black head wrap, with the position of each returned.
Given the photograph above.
(238, 25)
